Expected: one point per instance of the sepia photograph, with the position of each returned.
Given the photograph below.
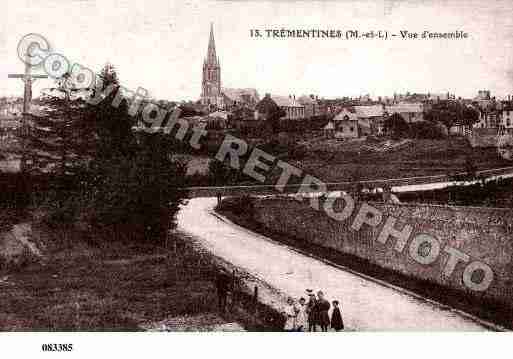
(325, 167)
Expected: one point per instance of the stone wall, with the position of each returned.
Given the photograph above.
(484, 234)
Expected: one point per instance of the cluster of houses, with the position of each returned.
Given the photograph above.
(494, 114)
(346, 118)
(350, 118)
(365, 120)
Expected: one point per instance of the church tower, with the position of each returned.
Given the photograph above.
(211, 82)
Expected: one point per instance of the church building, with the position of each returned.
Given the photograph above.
(211, 82)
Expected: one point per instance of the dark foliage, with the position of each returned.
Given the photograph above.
(103, 174)
(498, 193)
(450, 113)
(396, 126)
(426, 130)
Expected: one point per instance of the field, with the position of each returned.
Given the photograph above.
(331, 160)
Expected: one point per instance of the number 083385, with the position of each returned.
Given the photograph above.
(57, 347)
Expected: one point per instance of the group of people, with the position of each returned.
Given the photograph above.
(307, 316)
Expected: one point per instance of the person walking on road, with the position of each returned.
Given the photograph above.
(323, 306)
(336, 318)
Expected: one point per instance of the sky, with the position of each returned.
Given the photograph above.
(161, 45)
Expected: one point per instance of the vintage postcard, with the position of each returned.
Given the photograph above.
(255, 166)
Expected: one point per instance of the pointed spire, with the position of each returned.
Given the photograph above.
(211, 54)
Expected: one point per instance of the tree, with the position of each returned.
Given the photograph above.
(60, 139)
(450, 113)
(426, 130)
(271, 112)
(136, 183)
(470, 116)
(396, 125)
(121, 181)
(109, 76)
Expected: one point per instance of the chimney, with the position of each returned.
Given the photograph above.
(294, 96)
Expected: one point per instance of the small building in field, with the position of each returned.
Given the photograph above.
(346, 124)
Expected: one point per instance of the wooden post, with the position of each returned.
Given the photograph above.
(255, 299)
(234, 289)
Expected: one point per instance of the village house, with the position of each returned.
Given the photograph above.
(311, 105)
(506, 122)
(410, 112)
(371, 119)
(329, 129)
(489, 117)
(217, 120)
(346, 124)
(292, 108)
(235, 98)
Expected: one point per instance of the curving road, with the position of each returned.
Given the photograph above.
(366, 304)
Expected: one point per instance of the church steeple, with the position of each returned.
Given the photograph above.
(211, 54)
(211, 83)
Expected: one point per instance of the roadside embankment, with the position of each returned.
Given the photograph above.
(62, 279)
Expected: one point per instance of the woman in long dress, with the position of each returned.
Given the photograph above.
(336, 317)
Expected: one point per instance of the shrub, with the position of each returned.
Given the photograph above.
(426, 130)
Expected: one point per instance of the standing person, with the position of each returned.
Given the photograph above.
(302, 316)
(291, 315)
(322, 308)
(336, 318)
(222, 286)
(311, 309)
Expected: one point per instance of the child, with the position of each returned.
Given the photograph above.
(291, 314)
(336, 317)
(302, 316)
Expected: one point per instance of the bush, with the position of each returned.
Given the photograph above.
(239, 205)
(426, 130)
(396, 126)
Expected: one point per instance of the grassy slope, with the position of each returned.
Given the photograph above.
(83, 286)
(418, 158)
